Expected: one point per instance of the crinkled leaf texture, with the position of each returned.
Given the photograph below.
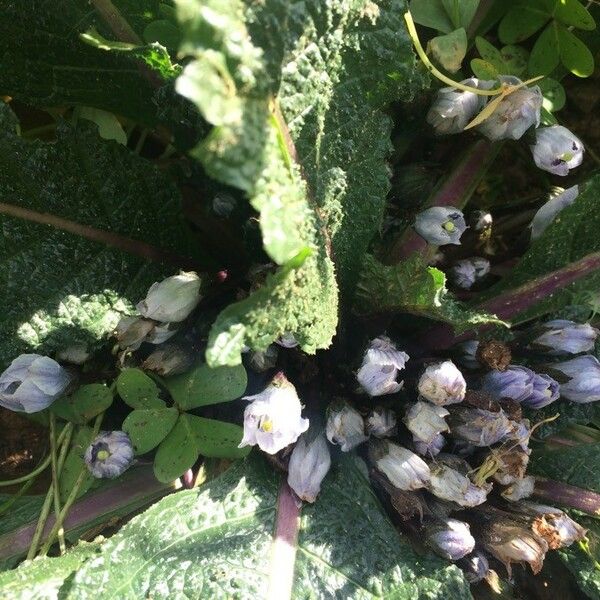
(215, 542)
(330, 67)
(58, 288)
(572, 235)
(415, 288)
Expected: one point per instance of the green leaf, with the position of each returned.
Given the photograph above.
(148, 427)
(176, 453)
(109, 127)
(574, 54)
(576, 465)
(61, 288)
(572, 13)
(489, 52)
(220, 536)
(415, 288)
(461, 12)
(217, 439)
(450, 49)
(75, 463)
(569, 413)
(431, 13)
(554, 94)
(84, 404)
(164, 32)
(484, 69)
(571, 236)
(511, 60)
(46, 577)
(138, 390)
(521, 22)
(203, 385)
(545, 54)
(515, 60)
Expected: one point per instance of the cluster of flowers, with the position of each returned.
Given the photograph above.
(458, 463)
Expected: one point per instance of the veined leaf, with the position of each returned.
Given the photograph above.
(415, 288)
(220, 539)
(59, 288)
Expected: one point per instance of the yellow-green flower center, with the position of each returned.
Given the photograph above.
(449, 226)
(266, 425)
(103, 454)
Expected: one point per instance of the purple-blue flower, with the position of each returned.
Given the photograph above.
(449, 538)
(441, 225)
(583, 385)
(109, 455)
(557, 150)
(561, 336)
(465, 273)
(432, 449)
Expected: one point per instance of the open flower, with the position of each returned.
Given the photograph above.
(478, 426)
(583, 385)
(548, 212)
(442, 384)
(273, 418)
(109, 455)
(448, 484)
(32, 383)
(441, 225)
(403, 468)
(449, 538)
(345, 427)
(557, 150)
(173, 299)
(515, 114)
(309, 463)
(561, 336)
(380, 366)
(426, 421)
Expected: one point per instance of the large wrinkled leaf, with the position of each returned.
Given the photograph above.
(567, 239)
(44, 61)
(59, 288)
(215, 542)
(331, 66)
(415, 288)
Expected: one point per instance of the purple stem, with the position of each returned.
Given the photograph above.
(511, 303)
(455, 190)
(137, 488)
(285, 541)
(567, 495)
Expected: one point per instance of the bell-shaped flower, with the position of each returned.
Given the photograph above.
(449, 538)
(132, 332)
(548, 212)
(515, 114)
(403, 468)
(109, 455)
(31, 383)
(381, 422)
(173, 299)
(432, 449)
(426, 421)
(170, 359)
(345, 426)
(442, 384)
(309, 463)
(380, 366)
(465, 273)
(561, 336)
(449, 484)
(478, 426)
(557, 150)
(453, 109)
(552, 524)
(441, 225)
(273, 419)
(583, 383)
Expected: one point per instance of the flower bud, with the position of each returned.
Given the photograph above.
(263, 361)
(465, 273)
(452, 109)
(131, 332)
(442, 384)
(109, 455)
(561, 336)
(381, 422)
(548, 212)
(345, 427)
(32, 383)
(557, 150)
(449, 538)
(287, 340)
(426, 421)
(173, 299)
(479, 427)
(515, 114)
(467, 354)
(475, 566)
(403, 468)
(309, 463)
(380, 366)
(170, 359)
(448, 484)
(432, 449)
(552, 524)
(521, 385)
(584, 379)
(273, 418)
(441, 225)
(521, 488)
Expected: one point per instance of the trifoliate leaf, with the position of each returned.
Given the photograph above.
(148, 427)
(138, 390)
(83, 404)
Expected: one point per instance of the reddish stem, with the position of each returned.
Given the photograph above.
(567, 495)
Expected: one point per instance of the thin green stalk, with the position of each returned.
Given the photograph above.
(71, 498)
(55, 481)
(6, 505)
